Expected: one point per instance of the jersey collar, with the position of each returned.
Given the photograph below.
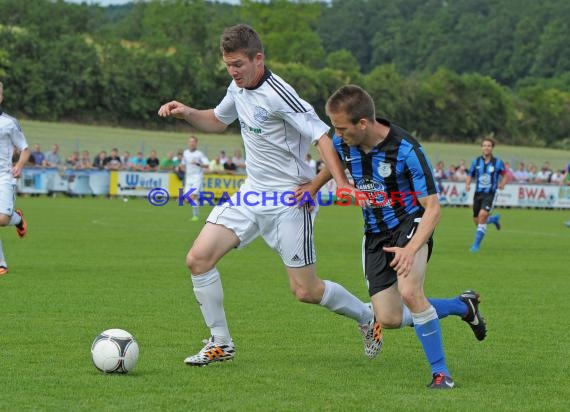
(265, 76)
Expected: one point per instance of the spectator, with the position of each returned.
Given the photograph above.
(311, 162)
(439, 174)
(532, 173)
(138, 162)
(557, 177)
(543, 176)
(85, 162)
(37, 156)
(126, 160)
(169, 163)
(52, 158)
(451, 172)
(509, 175)
(239, 161)
(215, 166)
(100, 160)
(152, 162)
(223, 157)
(230, 167)
(113, 162)
(461, 172)
(73, 161)
(521, 175)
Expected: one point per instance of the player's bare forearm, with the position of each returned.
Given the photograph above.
(204, 120)
(314, 185)
(332, 162)
(429, 221)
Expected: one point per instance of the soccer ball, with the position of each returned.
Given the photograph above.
(115, 351)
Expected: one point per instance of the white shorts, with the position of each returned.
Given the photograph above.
(193, 182)
(7, 198)
(286, 229)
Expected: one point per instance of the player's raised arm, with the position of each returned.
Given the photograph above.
(204, 120)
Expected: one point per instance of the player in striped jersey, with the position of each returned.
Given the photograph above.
(488, 172)
(278, 128)
(11, 137)
(400, 214)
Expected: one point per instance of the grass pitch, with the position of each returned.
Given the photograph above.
(91, 264)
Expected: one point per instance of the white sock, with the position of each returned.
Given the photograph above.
(406, 317)
(210, 296)
(195, 211)
(339, 300)
(15, 219)
(2, 258)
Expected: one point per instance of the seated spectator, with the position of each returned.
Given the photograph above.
(215, 166)
(311, 162)
(239, 161)
(126, 160)
(451, 172)
(509, 174)
(557, 177)
(439, 174)
(73, 160)
(223, 157)
(113, 162)
(521, 175)
(230, 167)
(37, 158)
(543, 175)
(169, 163)
(152, 162)
(138, 162)
(100, 160)
(532, 173)
(85, 161)
(460, 173)
(52, 158)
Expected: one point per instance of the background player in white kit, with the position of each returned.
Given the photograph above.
(10, 136)
(277, 128)
(194, 162)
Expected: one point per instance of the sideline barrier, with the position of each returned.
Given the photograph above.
(130, 183)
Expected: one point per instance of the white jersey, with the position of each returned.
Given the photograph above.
(277, 128)
(10, 135)
(194, 162)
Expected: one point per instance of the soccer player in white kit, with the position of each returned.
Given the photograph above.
(277, 128)
(10, 136)
(194, 163)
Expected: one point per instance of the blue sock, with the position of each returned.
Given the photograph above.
(446, 307)
(429, 333)
(479, 235)
(493, 219)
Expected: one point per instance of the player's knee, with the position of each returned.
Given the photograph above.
(412, 297)
(197, 263)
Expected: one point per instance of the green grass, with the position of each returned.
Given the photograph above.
(91, 264)
(72, 137)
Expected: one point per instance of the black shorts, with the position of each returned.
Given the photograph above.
(377, 271)
(482, 201)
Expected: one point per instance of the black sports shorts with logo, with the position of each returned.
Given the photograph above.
(377, 271)
(482, 201)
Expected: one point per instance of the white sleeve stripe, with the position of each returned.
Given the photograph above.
(291, 100)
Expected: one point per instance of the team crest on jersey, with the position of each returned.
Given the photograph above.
(384, 169)
(260, 114)
(491, 169)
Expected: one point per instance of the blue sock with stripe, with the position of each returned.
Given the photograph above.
(479, 235)
(426, 325)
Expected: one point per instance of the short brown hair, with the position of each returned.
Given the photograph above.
(354, 101)
(241, 38)
(488, 139)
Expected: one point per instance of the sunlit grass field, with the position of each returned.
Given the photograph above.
(94, 263)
